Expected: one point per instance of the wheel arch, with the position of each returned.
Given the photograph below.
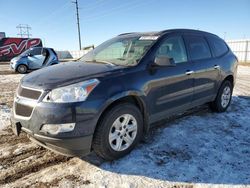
(230, 78)
(22, 63)
(127, 97)
(215, 105)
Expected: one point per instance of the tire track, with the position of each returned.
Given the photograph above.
(8, 161)
(13, 139)
(31, 164)
(56, 181)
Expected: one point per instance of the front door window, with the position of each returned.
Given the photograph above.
(173, 47)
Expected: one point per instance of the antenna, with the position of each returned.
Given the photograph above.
(78, 23)
(24, 30)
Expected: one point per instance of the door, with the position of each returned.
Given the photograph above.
(171, 86)
(206, 70)
(35, 58)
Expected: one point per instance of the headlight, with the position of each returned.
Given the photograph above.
(72, 93)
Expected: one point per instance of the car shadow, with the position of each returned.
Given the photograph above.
(197, 147)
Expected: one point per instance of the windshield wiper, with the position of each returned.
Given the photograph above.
(122, 59)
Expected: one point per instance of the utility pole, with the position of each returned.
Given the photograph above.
(24, 30)
(78, 23)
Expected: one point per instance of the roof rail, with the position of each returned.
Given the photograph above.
(126, 33)
(186, 30)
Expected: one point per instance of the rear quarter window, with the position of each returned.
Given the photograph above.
(218, 46)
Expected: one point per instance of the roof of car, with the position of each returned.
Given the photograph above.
(159, 33)
(41, 47)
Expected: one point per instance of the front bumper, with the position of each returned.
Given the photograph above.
(12, 65)
(70, 146)
(74, 143)
(75, 146)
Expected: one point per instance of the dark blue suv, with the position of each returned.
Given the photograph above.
(108, 100)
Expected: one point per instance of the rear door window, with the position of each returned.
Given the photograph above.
(218, 45)
(198, 47)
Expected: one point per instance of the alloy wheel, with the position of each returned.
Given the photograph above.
(123, 132)
(225, 97)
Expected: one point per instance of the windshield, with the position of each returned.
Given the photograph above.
(25, 53)
(126, 51)
(32, 51)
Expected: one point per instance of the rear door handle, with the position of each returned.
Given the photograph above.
(189, 72)
(216, 67)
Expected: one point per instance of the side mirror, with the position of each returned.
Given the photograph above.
(29, 54)
(164, 61)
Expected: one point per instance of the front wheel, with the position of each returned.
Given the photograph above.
(119, 130)
(223, 99)
(22, 69)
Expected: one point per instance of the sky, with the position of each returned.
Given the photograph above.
(54, 21)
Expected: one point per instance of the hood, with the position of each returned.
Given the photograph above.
(15, 59)
(65, 74)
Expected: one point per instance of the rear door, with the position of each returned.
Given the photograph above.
(36, 59)
(206, 69)
(171, 88)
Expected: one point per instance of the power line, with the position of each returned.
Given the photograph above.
(94, 6)
(24, 30)
(123, 7)
(78, 23)
(54, 12)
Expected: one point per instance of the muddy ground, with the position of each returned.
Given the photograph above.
(199, 149)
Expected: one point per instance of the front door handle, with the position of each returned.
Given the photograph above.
(189, 72)
(216, 67)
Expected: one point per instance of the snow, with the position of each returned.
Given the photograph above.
(204, 149)
(4, 117)
(195, 149)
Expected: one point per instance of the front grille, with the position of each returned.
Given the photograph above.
(29, 93)
(23, 110)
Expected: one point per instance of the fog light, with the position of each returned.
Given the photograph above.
(58, 128)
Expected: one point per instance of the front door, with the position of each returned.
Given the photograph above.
(35, 58)
(171, 86)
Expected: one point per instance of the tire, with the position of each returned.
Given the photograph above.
(22, 69)
(223, 98)
(110, 140)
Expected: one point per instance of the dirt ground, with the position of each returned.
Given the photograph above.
(199, 149)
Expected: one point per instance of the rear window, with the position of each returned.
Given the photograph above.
(219, 47)
(198, 47)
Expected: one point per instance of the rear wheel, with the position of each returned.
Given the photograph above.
(223, 98)
(22, 69)
(118, 132)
